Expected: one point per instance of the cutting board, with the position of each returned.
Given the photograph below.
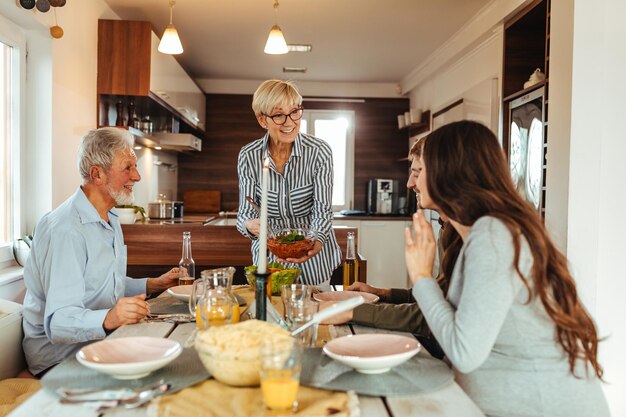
(202, 201)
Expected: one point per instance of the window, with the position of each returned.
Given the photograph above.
(336, 128)
(11, 47)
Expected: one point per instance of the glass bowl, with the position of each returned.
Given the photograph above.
(231, 353)
(278, 278)
(293, 242)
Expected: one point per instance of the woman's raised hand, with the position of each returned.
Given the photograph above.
(420, 250)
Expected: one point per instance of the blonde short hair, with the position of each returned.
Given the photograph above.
(275, 93)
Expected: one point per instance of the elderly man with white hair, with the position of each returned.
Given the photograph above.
(76, 284)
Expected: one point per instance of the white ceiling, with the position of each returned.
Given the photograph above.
(353, 40)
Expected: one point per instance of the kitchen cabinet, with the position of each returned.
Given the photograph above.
(131, 70)
(381, 242)
(525, 107)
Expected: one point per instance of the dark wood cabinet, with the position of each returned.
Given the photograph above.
(129, 69)
(124, 57)
(525, 107)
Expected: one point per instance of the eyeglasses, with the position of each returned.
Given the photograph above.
(280, 119)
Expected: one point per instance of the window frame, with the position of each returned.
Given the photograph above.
(13, 36)
(322, 114)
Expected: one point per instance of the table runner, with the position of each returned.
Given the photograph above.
(422, 373)
(186, 370)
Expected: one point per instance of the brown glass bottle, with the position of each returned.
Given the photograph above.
(350, 264)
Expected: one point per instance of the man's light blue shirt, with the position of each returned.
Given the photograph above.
(75, 273)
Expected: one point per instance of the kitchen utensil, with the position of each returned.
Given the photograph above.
(161, 209)
(103, 394)
(255, 205)
(340, 307)
(135, 400)
(344, 295)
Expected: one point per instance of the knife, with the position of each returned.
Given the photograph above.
(337, 308)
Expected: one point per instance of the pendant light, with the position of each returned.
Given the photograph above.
(170, 42)
(276, 44)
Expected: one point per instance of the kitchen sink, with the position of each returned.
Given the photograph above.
(223, 221)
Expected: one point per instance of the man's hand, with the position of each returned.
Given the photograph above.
(383, 293)
(127, 310)
(165, 281)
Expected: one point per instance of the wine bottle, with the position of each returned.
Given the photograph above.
(350, 264)
(186, 266)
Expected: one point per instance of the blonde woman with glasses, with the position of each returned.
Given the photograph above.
(300, 181)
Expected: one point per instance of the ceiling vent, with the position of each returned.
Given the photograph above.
(294, 70)
(299, 47)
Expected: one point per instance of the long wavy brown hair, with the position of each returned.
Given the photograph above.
(468, 178)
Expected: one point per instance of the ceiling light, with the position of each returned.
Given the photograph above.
(170, 42)
(276, 44)
(299, 47)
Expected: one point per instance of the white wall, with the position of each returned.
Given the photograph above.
(585, 160)
(596, 224)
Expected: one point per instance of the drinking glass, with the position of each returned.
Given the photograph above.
(299, 312)
(280, 376)
(295, 292)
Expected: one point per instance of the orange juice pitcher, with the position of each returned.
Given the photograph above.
(223, 277)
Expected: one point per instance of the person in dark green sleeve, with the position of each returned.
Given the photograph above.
(397, 309)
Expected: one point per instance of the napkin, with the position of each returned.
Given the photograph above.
(14, 391)
(214, 399)
(422, 373)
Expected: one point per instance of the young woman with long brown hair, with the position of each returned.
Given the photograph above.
(512, 325)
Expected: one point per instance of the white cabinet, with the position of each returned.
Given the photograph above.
(172, 84)
(381, 242)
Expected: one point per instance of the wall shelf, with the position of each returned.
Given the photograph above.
(421, 127)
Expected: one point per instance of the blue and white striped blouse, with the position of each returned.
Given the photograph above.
(301, 195)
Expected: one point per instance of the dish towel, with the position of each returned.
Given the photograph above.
(214, 399)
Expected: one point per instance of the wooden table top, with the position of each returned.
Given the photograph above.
(450, 401)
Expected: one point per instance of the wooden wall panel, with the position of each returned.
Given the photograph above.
(379, 145)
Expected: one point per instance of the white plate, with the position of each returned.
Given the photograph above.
(344, 295)
(372, 353)
(129, 357)
(181, 292)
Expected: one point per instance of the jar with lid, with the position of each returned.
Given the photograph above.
(146, 125)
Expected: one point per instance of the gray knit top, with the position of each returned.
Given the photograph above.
(503, 349)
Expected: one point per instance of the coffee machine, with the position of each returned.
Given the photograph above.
(382, 196)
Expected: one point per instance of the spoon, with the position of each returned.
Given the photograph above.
(335, 309)
(145, 396)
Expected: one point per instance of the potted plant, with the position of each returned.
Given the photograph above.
(128, 213)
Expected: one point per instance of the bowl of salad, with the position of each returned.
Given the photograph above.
(279, 277)
(290, 242)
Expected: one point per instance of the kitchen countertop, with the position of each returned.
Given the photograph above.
(212, 217)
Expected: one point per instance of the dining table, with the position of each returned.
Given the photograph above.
(447, 401)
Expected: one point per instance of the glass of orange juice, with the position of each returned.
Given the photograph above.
(280, 376)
